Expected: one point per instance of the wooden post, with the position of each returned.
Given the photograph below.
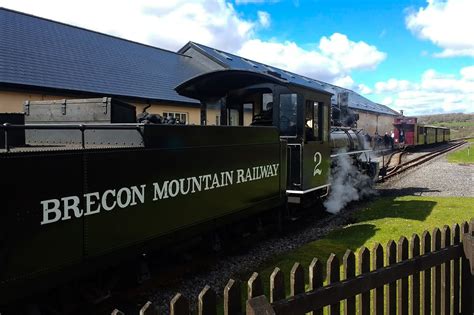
(446, 273)
(207, 302)
(456, 271)
(316, 279)
(255, 287)
(259, 306)
(149, 309)
(468, 271)
(277, 285)
(232, 298)
(391, 297)
(348, 262)
(415, 279)
(364, 267)
(377, 263)
(297, 279)
(426, 288)
(333, 277)
(403, 283)
(436, 282)
(179, 305)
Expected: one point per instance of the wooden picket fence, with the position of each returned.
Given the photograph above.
(431, 274)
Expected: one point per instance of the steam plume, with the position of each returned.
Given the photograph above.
(347, 184)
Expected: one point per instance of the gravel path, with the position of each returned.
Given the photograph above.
(437, 177)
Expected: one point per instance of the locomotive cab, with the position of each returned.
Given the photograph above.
(299, 110)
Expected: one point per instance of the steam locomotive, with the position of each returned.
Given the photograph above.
(83, 184)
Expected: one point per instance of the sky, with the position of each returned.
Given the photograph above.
(412, 55)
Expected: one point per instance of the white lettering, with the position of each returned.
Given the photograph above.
(128, 197)
(139, 194)
(160, 193)
(47, 210)
(104, 200)
(240, 176)
(173, 190)
(71, 203)
(196, 184)
(181, 186)
(90, 202)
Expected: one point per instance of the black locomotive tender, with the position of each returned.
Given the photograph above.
(83, 184)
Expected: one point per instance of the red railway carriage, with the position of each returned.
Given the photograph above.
(405, 130)
(408, 132)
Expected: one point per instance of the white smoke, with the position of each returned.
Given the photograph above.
(348, 184)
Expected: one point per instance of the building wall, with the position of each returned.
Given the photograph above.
(12, 102)
(372, 122)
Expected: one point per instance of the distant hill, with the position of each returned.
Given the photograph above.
(461, 125)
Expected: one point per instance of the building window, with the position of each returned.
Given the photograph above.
(182, 117)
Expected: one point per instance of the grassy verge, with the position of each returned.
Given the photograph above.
(380, 221)
(465, 155)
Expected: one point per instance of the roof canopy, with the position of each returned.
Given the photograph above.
(216, 84)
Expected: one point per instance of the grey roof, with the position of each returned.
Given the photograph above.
(230, 61)
(43, 53)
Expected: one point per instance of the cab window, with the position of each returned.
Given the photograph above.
(288, 104)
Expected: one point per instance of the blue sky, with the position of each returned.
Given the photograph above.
(415, 55)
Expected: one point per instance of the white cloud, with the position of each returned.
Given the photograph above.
(331, 61)
(364, 89)
(392, 85)
(264, 18)
(216, 23)
(435, 93)
(354, 55)
(167, 24)
(446, 23)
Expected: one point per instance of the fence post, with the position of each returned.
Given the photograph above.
(415, 280)
(436, 282)
(255, 287)
(316, 279)
(333, 277)
(402, 253)
(468, 272)
(207, 302)
(364, 267)
(446, 273)
(377, 263)
(232, 298)
(277, 285)
(297, 279)
(391, 297)
(149, 309)
(179, 305)
(425, 290)
(348, 262)
(456, 270)
(259, 306)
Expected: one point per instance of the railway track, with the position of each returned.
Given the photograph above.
(400, 167)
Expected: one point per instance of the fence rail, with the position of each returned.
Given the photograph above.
(431, 274)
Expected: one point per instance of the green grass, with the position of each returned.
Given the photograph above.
(380, 221)
(464, 156)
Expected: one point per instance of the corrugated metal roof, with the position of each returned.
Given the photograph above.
(231, 61)
(44, 53)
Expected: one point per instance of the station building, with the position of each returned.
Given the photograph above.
(41, 59)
